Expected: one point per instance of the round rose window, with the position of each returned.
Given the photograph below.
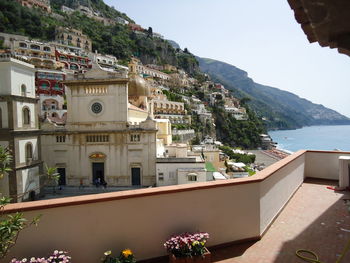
(96, 107)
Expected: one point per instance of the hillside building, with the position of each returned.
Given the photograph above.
(105, 61)
(44, 5)
(73, 37)
(74, 61)
(50, 89)
(136, 66)
(41, 55)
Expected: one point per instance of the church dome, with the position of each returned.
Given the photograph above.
(138, 86)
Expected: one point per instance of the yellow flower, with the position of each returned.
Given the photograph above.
(195, 243)
(107, 253)
(126, 253)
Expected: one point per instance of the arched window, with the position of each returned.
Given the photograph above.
(23, 45)
(29, 152)
(26, 116)
(23, 90)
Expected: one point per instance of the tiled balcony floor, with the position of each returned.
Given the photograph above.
(314, 219)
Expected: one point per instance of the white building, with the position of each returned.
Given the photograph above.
(105, 61)
(19, 128)
(238, 113)
(176, 167)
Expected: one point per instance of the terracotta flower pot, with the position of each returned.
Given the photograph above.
(205, 258)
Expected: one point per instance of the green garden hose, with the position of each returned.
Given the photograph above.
(301, 253)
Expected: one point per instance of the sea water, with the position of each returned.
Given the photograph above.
(313, 138)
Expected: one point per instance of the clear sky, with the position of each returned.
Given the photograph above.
(260, 37)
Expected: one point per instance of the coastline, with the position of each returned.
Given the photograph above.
(316, 137)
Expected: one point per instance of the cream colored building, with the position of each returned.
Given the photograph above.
(165, 109)
(73, 37)
(136, 66)
(99, 142)
(44, 5)
(42, 55)
(19, 129)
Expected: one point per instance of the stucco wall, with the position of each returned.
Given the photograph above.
(22, 75)
(27, 180)
(323, 165)
(20, 157)
(142, 224)
(121, 155)
(277, 189)
(19, 106)
(114, 104)
(183, 178)
(172, 168)
(135, 116)
(229, 210)
(4, 115)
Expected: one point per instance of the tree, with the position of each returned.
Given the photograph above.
(150, 32)
(12, 225)
(5, 160)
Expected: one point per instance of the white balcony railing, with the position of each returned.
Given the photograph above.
(230, 210)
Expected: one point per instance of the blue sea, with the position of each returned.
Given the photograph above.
(313, 138)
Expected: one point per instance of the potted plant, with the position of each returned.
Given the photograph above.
(126, 256)
(188, 248)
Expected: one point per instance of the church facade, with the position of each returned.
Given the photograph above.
(99, 143)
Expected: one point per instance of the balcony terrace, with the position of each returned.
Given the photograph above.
(263, 218)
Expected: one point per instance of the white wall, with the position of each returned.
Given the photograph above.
(142, 223)
(4, 117)
(323, 165)
(277, 189)
(22, 148)
(229, 210)
(19, 76)
(114, 103)
(120, 157)
(5, 82)
(172, 168)
(19, 108)
(27, 180)
(136, 116)
(182, 175)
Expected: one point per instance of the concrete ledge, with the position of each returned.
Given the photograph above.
(87, 199)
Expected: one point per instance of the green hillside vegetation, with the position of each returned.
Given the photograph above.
(96, 5)
(116, 40)
(238, 133)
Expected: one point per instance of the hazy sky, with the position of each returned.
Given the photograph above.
(260, 37)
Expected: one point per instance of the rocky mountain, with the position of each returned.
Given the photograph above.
(174, 44)
(281, 109)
